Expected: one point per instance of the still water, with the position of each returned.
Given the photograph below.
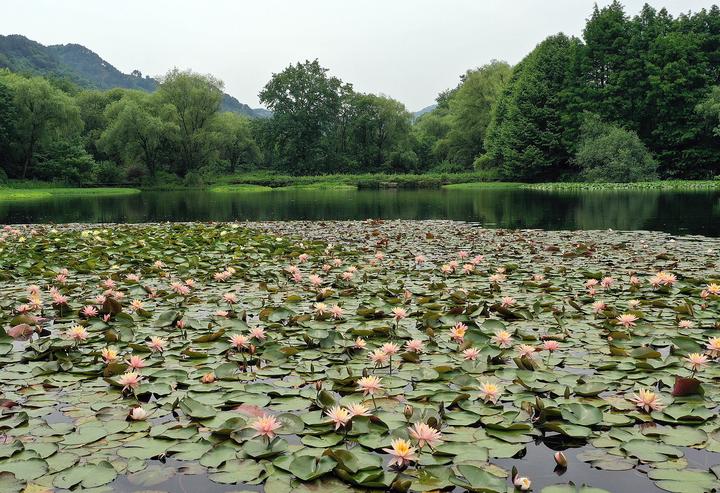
(696, 212)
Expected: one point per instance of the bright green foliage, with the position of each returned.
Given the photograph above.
(136, 131)
(194, 100)
(321, 125)
(710, 109)
(43, 113)
(531, 135)
(455, 131)
(608, 153)
(234, 141)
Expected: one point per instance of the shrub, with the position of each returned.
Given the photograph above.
(108, 173)
(608, 153)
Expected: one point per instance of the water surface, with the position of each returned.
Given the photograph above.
(695, 212)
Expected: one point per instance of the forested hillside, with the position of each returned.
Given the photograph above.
(85, 68)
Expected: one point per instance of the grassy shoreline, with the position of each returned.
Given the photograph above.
(265, 182)
(14, 194)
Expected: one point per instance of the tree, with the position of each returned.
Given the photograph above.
(43, 113)
(532, 133)
(135, 128)
(709, 109)
(378, 126)
(306, 104)
(234, 141)
(470, 110)
(8, 118)
(195, 100)
(608, 153)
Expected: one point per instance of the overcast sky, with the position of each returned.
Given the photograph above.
(408, 49)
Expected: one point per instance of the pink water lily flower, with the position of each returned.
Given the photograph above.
(390, 348)
(369, 385)
(239, 341)
(130, 380)
(78, 333)
(338, 415)
(471, 354)
(379, 357)
(525, 350)
(457, 333)
(109, 354)
(136, 363)
(415, 346)
(551, 345)
(425, 434)
(627, 320)
(507, 301)
(336, 311)
(89, 311)
(258, 333)
(360, 343)
(399, 313)
(502, 338)
(489, 392)
(157, 344)
(696, 361)
(358, 409)
(647, 400)
(713, 347)
(265, 426)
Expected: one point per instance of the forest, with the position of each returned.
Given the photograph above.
(635, 98)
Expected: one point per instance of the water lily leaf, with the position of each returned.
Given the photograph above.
(25, 469)
(10, 484)
(309, 468)
(196, 409)
(258, 448)
(476, 479)
(237, 471)
(648, 451)
(151, 476)
(581, 414)
(89, 476)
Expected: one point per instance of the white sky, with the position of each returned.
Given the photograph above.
(408, 49)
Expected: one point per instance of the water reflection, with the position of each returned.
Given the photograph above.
(674, 212)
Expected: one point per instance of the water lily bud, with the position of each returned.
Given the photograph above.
(208, 378)
(408, 411)
(560, 459)
(252, 349)
(318, 385)
(365, 373)
(522, 483)
(137, 414)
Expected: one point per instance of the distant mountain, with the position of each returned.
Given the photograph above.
(86, 68)
(421, 112)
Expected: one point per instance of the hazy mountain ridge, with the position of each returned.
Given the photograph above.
(86, 68)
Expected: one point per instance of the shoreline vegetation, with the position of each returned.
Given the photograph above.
(253, 183)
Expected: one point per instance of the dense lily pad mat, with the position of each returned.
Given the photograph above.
(353, 356)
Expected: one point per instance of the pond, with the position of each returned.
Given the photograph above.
(308, 356)
(696, 212)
